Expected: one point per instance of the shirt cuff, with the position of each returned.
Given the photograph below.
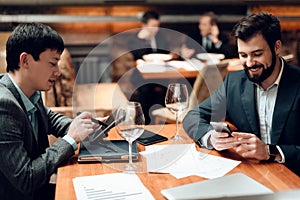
(218, 44)
(282, 155)
(205, 140)
(71, 141)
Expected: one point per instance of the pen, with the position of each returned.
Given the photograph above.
(96, 121)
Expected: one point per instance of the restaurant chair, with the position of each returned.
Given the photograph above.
(59, 97)
(207, 81)
(288, 58)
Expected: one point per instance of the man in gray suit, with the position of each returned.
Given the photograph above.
(262, 101)
(27, 161)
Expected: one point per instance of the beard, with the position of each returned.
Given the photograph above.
(265, 73)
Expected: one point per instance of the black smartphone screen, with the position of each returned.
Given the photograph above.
(149, 137)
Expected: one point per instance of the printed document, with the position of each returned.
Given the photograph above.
(181, 160)
(114, 186)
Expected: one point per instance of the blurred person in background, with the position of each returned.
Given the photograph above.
(210, 39)
(149, 39)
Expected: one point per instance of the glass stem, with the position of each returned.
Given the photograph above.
(176, 116)
(130, 152)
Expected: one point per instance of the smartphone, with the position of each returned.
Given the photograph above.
(149, 137)
(101, 133)
(221, 127)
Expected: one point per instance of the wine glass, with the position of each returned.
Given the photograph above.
(177, 101)
(130, 125)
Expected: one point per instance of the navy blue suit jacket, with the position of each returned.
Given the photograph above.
(235, 102)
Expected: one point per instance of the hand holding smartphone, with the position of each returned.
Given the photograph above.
(101, 133)
(221, 127)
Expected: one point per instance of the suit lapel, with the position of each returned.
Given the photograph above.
(284, 102)
(9, 84)
(42, 119)
(249, 105)
(43, 129)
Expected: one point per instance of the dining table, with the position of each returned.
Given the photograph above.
(175, 69)
(273, 175)
(182, 69)
(187, 68)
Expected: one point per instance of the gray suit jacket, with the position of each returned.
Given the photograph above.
(235, 101)
(27, 164)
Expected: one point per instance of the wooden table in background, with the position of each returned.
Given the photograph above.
(171, 74)
(180, 73)
(273, 175)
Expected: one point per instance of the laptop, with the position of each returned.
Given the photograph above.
(233, 185)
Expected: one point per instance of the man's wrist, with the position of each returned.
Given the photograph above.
(71, 141)
(273, 153)
(205, 140)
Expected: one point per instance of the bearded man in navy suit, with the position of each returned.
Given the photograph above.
(262, 101)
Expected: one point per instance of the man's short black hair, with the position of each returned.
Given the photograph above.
(149, 15)
(32, 38)
(261, 23)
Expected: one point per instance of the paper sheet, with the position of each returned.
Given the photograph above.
(111, 186)
(181, 160)
(148, 68)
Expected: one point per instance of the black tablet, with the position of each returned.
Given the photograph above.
(149, 137)
(106, 151)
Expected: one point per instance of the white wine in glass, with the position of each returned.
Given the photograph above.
(177, 101)
(130, 126)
